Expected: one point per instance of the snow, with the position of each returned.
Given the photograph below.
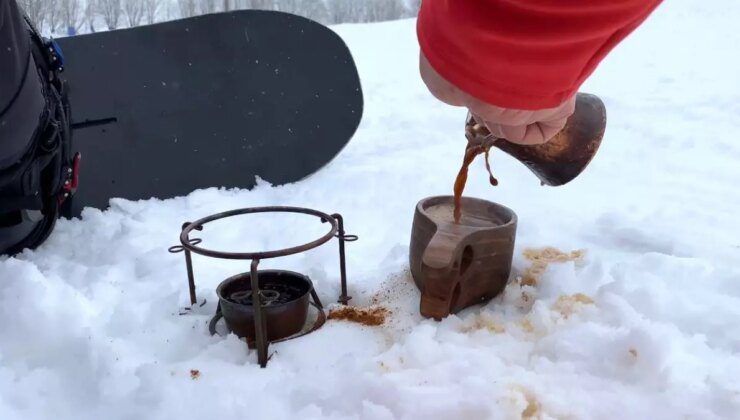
(645, 325)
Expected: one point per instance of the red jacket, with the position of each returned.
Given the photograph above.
(524, 54)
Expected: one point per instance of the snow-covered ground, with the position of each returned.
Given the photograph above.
(646, 325)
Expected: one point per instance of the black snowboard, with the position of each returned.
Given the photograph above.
(215, 100)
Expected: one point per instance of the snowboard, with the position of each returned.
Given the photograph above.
(209, 101)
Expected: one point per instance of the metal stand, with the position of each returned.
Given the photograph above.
(189, 246)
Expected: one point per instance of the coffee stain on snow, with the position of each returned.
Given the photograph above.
(541, 258)
(567, 305)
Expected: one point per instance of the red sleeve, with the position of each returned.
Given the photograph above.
(524, 54)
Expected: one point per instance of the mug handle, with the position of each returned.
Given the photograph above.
(438, 270)
(441, 251)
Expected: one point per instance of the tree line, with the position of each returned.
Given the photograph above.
(79, 16)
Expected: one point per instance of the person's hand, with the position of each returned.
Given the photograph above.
(515, 125)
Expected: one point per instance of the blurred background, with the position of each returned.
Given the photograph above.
(72, 17)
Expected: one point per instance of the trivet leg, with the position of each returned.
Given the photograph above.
(189, 266)
(260, 327)
(191, 286)
(191, 277)
(343, 298)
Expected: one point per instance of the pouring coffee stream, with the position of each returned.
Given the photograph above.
(556, 162)
(462, 176)
(472, 131)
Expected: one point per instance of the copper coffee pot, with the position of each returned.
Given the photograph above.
(566, 155)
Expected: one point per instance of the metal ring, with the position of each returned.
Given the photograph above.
(185, 240)
(179, 248)
(241, 295)
(350, 238)
(269, 296)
